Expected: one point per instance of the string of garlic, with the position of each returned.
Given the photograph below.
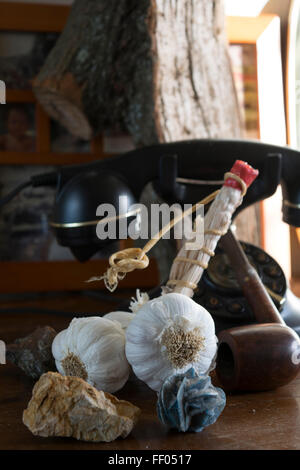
(172, 333)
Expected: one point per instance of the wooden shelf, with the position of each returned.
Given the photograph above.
(67, 276)
(20, 96)
(33, 17)
(47, 158)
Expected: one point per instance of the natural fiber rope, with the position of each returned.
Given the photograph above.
(207, 251)
(182, 259)
(214, 231)
(177, 219)
(238, 179)
(177, 282)
(125, 261)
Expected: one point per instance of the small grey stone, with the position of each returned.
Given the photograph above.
(33, 353)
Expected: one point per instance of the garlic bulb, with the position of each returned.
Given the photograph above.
(124, 318)
(93, 348)
(170, 334)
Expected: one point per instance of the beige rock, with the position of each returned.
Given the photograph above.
(70, 407)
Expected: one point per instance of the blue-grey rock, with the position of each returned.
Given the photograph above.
(189, 402)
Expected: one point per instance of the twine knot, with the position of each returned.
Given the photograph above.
(121, 263)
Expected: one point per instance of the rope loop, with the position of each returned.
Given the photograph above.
(238, 179)
(181, 259)
(121, 263)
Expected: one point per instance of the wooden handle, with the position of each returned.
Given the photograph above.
(253, 289)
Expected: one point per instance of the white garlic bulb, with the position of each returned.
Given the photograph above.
(124, 318)
(93, 348)
(169, 335)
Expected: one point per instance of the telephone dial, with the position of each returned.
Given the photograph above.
(219, 292)
(182, 172)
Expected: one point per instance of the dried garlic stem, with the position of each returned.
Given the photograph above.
(188, 267)
(216, 223)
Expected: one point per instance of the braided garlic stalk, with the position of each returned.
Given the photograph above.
(189, 265)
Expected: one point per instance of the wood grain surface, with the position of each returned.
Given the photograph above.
(269, 420)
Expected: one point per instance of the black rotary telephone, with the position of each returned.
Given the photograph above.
(183, 172)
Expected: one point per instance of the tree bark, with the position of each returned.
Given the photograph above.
(157, 68)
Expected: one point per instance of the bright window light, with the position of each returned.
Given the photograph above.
(244, 7)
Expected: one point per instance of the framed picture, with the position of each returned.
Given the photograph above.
(30, 143)
(255, 51)
(18, 128)
(21, 56)
(245, 74)
(256, 59)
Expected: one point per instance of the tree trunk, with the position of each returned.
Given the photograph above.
(159, 69)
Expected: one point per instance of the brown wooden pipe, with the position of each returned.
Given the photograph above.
(261, 356)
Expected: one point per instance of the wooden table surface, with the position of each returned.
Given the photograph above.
(269, 420)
